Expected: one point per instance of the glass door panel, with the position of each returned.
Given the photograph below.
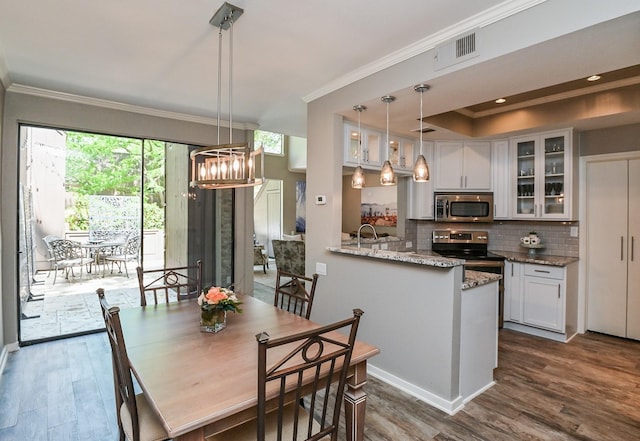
(526, 164)
(554, 179)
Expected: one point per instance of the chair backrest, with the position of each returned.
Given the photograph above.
(64, 249)
(132, 247)
(293, 294)
(184, 281)
(289, 255)
(121, 367)
(47, 241)
(315, 369)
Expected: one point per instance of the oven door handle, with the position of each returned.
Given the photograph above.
(446, 210)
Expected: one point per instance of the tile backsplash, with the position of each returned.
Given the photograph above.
(503, 235)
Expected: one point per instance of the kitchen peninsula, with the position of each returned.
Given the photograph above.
(435, 324)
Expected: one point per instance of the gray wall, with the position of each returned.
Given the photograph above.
(3, 342)
(610, 140)
(37, 110)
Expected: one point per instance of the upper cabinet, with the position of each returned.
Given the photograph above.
(420, 194)
(462, 166)
(542, 176)
(500, 179)
(402, 153)
(370, 151)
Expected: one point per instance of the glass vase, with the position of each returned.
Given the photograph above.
(213, 321)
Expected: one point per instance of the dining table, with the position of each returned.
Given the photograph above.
(200, 383)
(98, 250)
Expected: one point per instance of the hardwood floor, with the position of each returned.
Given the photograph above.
(588, 389)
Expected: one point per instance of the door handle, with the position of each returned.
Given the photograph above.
(621, 247)
(632, 244)
(558, 291)
(542, 271)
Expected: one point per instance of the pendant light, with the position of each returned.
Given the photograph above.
(357, 180)
(421, 169)
(387, 175)
(226, 165)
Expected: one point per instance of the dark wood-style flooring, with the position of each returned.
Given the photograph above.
(588, 389)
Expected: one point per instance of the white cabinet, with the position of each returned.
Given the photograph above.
(513, 291)
(402, 154)
(541, 299)
(543, 294)
(500, 179)
(420, 194)
(463, 165)
(542, 176)
(370, 150)
(613, 246)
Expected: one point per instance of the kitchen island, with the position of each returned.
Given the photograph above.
(436, 328)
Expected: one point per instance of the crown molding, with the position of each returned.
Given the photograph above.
(114, 105)
(482, 19)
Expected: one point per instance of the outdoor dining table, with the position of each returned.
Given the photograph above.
(201, 383)
(96, 249)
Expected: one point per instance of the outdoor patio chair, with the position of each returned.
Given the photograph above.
(50, 256)
(68, 255)
(185, 282)
(129, 252)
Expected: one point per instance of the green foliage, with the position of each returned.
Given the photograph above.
(272, 142)
(111, 165)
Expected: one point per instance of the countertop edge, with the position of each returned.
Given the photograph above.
(541, 259)
(399, 256)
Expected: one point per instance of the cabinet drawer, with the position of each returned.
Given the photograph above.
(546, 271)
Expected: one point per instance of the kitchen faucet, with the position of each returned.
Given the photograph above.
(375, 235)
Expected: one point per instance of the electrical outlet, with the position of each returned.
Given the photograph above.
(573, 232)
(375, 246)
(409, 244)
(384, 246)
(321, 269)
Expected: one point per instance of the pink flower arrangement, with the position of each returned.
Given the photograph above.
(217, 298)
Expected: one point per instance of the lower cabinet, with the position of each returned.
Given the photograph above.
(541, 299)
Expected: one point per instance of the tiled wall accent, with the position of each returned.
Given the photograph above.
(504, 235)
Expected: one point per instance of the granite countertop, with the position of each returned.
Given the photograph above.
(540, 259)
(423, 258)
(476, 278)
(386, 239)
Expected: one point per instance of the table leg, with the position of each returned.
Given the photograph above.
(355, 400)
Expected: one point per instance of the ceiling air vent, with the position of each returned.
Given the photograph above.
(456, 50)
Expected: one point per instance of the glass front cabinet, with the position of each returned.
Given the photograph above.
(542, 171)
(370, 150)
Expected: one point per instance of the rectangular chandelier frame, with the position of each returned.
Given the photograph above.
(226, 166)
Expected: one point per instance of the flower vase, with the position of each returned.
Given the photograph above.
(213, 321)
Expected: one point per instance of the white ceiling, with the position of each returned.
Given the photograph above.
(162, 54)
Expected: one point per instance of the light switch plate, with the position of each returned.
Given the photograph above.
(573, 232)
(321, 269)
(408, 244)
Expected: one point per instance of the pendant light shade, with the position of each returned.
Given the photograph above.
(421, 168)
(387, 175)
(226, 165)
(357, 180)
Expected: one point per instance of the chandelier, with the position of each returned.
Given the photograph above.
(226, 165)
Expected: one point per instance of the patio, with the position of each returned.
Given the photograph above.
(71, 306)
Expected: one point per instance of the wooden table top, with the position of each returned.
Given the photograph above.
(194, 378)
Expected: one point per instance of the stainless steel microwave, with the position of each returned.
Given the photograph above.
(464, 207)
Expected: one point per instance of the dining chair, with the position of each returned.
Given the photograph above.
(136, 420)
(68, 255)
(294, 293)
(129, 252)
(314, 370)
(185, 282)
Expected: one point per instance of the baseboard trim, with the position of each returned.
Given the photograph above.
(447, 406)
(551, 335)
(11, 347)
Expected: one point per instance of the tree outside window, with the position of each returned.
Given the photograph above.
(273, 143)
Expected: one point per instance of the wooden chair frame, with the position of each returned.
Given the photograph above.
(291, 293)
(316, 362)
(186, 281)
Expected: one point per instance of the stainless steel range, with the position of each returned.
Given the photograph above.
(472, 247)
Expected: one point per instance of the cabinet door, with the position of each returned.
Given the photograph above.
(554, 187)
(633, 253)
(449, 165)
(513, 292)
(477, 166)
(606, 275)
(523, 167)
(500, 179)
(543, 304)
(372, 148)
(419, 200)
(351, 144)
(407, 154)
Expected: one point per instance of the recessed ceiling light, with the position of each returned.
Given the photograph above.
(594, 78)
(500, 101)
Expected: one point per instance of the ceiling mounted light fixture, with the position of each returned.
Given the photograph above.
(357, 180)
(226, 165)
(594, 78)
(421, 168)
(387, 175)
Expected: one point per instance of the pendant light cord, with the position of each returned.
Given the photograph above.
(230, 82)
(219, 79)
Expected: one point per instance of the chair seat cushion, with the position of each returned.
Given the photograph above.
(248, 430)
(150, 427)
